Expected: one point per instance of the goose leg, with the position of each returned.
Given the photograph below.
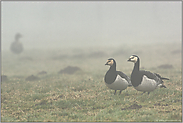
(120, 92)
(143, 92)
(148, 93)
(115, 92)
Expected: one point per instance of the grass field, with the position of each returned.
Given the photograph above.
(83, 96)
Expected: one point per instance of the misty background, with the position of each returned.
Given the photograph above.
(60, 24)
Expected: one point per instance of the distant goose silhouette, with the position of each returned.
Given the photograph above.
(16, 46)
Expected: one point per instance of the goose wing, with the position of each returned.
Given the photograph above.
(153, 76)
(161, 77)
(125, 77)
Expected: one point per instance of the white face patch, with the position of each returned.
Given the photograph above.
(110, 62)
(147, 85)
(133, 59)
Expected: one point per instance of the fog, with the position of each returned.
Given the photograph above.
(60, 24)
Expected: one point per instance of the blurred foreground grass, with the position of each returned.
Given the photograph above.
(83, 96)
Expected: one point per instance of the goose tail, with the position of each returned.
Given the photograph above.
(162, 78)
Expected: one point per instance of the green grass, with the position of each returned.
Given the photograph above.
(83, 96)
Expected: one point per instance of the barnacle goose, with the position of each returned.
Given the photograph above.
(116, 80)
(144, 80)
(17, 47)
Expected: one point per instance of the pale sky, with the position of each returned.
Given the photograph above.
(61, 24)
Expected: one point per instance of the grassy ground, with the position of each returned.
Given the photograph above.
(83, 96)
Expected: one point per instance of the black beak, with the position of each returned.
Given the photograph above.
(129, 59)
(106, 63)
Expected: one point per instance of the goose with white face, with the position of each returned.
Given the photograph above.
(144, 80)
(116, 80)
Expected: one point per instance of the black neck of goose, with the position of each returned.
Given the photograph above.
(113, 67)
(17, 38)
(136, 66)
